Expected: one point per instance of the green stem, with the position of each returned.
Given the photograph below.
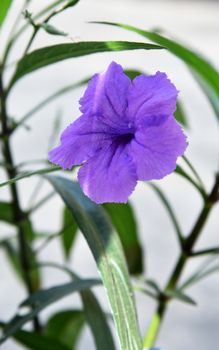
(17, 211)
(188, 245)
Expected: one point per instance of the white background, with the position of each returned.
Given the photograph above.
(185, 327)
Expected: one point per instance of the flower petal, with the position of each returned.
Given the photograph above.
(155, 149)
(106, 96)
(109, 176)
(79, 141)
(153, 94)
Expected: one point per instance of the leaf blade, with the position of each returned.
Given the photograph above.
(42, 299)
(36, 341)
(5, 5)
(123, 219)
(66, 326)
(107, 251)
(48, 55)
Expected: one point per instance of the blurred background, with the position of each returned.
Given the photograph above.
(194, 23)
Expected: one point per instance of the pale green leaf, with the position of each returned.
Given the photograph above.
(123, 219)
(107, 251)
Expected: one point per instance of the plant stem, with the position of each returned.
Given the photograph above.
(188, 245)
(17, 211)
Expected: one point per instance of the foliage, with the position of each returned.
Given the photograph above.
(110, 230)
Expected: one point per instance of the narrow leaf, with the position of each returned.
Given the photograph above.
(169, 209)
(68, 232)
(36, 341)
(66, 327)
(6, 212)
(97, 321)
(95, 317)
(123, 219)
(180, 171)
(4, 7)
(107, 251)
(204, 270)
(48, 55)
(53, 30)
(13, 257)
(177, 294)
(180, 115)
(29, 174)
(40, 300)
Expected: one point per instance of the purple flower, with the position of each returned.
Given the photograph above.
(126, 133)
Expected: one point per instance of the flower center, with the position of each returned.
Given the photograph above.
(125, 138)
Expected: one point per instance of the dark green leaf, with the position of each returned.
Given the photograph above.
(123, 219)
(180, 171)
(177, 294)
(204, 270)
(13, 258)
(68, 232)
(169, 209)
(6, 212)
(66, 327)
(180, 115)
(97, 321)
(4, 7)
(210, 93)
(208, 251)
(41, 299)
(36, 341)
(206, 72)
(93, 313)
(107, 251)
(52, 54)
(152, 284)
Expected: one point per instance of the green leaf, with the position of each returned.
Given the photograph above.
(153, 284)
(94, 315)
(179, 295)
(204, 270)
(6, 212)
(123, 219)
(206, 72)
(48, 55)
(108, 253)
(13, 258)
(52, 30)
(210, 94)
(169, 209)
(40, 300)
(180, 115)
(4, 7)
(68, 232)
(180, 171)
(208, 251)
(36, 341)
(66, 327)
(97, 321)
(29, 174)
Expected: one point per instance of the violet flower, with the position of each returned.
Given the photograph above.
(127, 132)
